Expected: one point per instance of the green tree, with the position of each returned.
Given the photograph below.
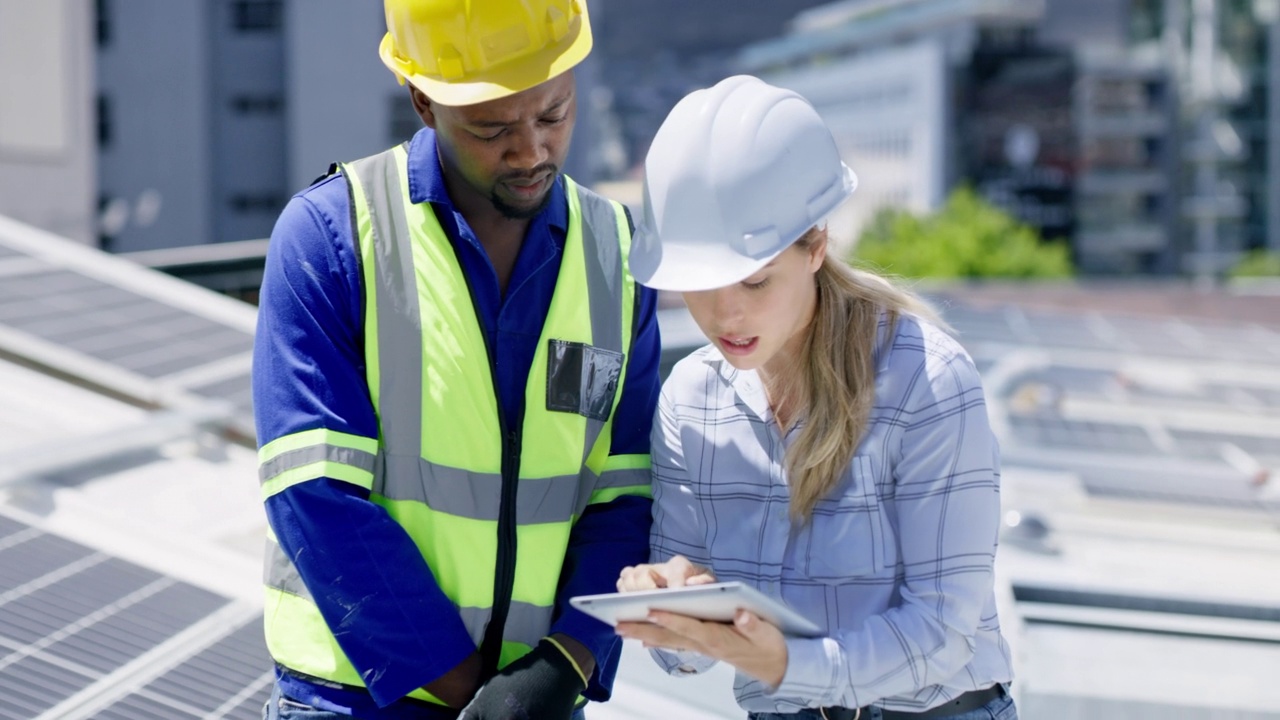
(967, 238)
(1258, 263)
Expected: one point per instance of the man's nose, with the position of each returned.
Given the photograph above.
(528, 150)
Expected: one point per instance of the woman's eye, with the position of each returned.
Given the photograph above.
(755, 285)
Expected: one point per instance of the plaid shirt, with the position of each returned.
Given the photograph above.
(895, 564)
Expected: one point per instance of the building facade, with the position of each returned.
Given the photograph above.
(1084, 118)
(212, 114)
(191, 121)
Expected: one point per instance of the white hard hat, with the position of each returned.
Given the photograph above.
(736, 173)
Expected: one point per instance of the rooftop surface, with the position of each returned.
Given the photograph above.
(1139, 570)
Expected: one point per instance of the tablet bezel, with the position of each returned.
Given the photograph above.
(714, 601)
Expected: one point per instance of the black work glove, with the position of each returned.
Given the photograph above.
(542, 685)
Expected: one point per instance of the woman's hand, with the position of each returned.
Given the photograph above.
(674, 573)
(750, 644)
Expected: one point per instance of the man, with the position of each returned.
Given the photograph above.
(454, 381)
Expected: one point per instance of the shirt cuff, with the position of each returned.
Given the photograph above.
(683, 662)
(812, 664)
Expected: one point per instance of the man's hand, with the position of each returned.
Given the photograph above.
(456, 687)
(542, 685)
(674, 573)
(750, 644)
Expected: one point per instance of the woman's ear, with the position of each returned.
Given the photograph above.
(817, 249)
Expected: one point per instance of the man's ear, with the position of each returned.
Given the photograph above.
(422, 105)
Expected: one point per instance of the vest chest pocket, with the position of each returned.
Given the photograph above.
(847, 536)
(582, 379)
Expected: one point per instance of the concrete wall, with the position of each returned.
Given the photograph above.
(47, 131)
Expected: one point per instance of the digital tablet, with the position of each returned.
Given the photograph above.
(716, 601)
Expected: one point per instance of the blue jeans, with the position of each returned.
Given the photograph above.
(280, 707)
(1002, 708)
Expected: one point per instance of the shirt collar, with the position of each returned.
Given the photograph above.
(426, 182)
(746, 384)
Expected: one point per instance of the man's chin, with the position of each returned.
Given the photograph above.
(520, 210)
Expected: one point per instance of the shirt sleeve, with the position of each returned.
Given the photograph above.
(678, 527)
(318, 434)
(613, 531)
(948, 511)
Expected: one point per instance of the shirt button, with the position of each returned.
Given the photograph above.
(686, 669)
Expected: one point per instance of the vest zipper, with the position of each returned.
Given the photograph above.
(505, 564)
(504, 571)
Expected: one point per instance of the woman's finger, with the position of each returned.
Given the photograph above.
(654, 636)
(639, 577)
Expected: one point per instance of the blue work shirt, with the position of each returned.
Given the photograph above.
(396, 626)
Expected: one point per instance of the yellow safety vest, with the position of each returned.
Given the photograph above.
(490, 507)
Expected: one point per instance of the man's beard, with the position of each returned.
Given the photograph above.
(511, 212)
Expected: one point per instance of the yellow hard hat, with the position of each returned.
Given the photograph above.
(463, 52)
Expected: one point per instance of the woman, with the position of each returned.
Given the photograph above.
(829, 447)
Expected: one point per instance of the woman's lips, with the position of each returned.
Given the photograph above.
(738, 345)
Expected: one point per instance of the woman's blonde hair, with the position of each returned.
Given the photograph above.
(834, 386)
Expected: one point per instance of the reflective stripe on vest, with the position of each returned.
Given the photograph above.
(438, 466)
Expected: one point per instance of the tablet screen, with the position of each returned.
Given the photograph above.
(717, 602)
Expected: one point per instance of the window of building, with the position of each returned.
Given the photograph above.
(257, 15)
(106, 130)
(257, 104)
(102, 12)
(256, 203)
(403, 120)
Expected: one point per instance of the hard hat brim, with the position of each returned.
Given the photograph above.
(696, 266)
(691, 267)
(504, 80)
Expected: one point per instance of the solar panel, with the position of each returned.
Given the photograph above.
(1194, 442)
(974, 324)
(1086, 332)
(1170, 486)
(1242, 344)
(1061, 433)
(1147, 603)
(230, 679)
(141, 707)
(70, 616)
(9, 527)
(1092, 331)
(33, 685)
(125, 327)
(114, 325)
(237, 390)
(1075, 381)
(28, 554)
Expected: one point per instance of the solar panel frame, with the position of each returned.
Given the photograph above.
(119, 325)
